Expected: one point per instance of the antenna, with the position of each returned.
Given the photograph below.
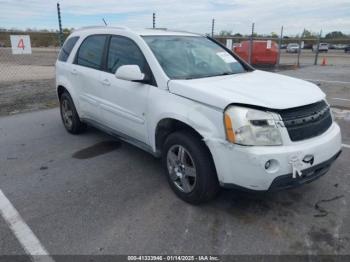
(104, 21)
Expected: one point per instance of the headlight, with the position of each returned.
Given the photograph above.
(251, 127)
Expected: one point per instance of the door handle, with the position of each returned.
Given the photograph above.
(74, 72)
(106, 82)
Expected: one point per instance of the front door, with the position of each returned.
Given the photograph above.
(125, 102)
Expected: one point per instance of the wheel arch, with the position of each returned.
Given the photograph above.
(60, 90)
(168, 125)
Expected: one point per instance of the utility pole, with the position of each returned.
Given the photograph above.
(279, 47)
(299, 51)
(251, 45)
(317, 47)
(212, 27)
(60, 34)
(154, 20)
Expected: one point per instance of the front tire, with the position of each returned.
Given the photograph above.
(69, 115)
(189, 167)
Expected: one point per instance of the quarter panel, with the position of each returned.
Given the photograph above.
(63, 78)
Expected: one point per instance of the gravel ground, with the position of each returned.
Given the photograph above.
(27, 81)
(29, 95)
(39, 57)
(15, 73)
(333, 80)
(307, 57)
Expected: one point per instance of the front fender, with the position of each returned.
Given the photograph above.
(206, 120)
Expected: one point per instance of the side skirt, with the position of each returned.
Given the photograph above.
(121, 136)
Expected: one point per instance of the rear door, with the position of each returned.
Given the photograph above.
(87, 74)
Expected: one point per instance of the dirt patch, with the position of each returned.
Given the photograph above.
(29, 95)
(321, 239)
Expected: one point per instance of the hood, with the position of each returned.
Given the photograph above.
(257, 88)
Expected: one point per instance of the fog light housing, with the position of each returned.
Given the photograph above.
(271, 166)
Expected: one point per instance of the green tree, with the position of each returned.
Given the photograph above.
(309, 34)
(274, 35)
(335, 34)
(225, 33)
(66, 31)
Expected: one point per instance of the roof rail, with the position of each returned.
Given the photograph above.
(101, 27)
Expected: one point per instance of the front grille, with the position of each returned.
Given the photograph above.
(307, 121)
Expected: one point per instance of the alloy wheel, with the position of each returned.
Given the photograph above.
(181, 168)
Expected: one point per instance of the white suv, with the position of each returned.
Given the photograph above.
(322, 47)
(212, 118)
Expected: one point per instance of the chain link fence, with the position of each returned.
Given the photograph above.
(289, 52)
(37, 65)
(27, 80)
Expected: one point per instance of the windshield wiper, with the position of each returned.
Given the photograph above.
(204, 76)
(223, 74)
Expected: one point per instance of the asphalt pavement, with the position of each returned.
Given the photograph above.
(91, 194)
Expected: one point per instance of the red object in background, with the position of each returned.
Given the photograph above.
(263, 52)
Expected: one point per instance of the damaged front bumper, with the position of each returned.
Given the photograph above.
(308, 175)
(245, 166)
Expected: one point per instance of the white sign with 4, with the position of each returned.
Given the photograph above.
(20, 44)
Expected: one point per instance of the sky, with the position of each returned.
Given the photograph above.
(189, 15)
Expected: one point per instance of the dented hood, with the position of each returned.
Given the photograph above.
(254, 88)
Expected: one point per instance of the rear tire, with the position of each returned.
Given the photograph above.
(69, 115)
(193, 176)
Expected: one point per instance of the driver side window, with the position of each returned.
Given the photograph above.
(123, 51)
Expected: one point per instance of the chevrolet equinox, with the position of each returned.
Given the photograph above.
(213, 119)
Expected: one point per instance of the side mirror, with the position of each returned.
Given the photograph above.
(130, 73)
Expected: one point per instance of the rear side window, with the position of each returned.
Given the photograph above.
(67, 48)
(123, 51)
(90, 53)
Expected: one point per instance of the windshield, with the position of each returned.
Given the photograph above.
(188, 57)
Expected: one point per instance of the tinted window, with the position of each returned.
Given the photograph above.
(91, 52)
(123, 51)
(67, 48)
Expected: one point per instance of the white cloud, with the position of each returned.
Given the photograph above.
(192, 15)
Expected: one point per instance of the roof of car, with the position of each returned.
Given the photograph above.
(141, 32)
